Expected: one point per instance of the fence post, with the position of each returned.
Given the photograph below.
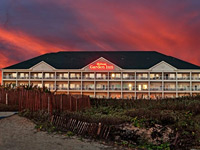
(61, 101)
(48, 104)
(6, 98)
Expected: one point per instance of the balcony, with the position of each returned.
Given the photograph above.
(75, 88)
(183, 78)
(183, 89)
(115, 78)
(102, 78)
(102, 88)
(36, 77)
(156, 78)
(169, 78)
(195, 78)
(88, 88)
(142, 78)
(128, 78)
(76, 78)
(9, 77)
(27, 77)
(155, 89)
(62, 88)
(58, 77)
(87, 78)
(169, 89)
(195, 89)
(128, 89)
(48, 77)
(114, 88)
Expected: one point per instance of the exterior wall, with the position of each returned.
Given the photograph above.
(160, 81)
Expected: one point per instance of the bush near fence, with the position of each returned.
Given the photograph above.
(37, 99)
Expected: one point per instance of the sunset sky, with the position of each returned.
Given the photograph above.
(29, 28)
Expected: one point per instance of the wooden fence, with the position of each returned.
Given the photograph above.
(35, 100)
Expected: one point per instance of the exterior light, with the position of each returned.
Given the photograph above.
(113, 75)
(130, 86)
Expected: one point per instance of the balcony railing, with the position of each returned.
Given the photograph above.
(9, 77)
(75, 77)
(169, 78)
(61, 77)
(87, 78)
(184, 78)
(183, 89)
(142, 78)
(77, 88)
(102, 78)
(101, 88)
(48, 77)
(195, 89)
(87, 88)
(115, 78)
(34, 77)
(128, 89)
(62, 88)
(195, 78)
(114, 88)
(27, 77)
(169, 89)
(128, 78)
(156, 78)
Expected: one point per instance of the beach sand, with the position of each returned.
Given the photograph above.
(18, 133)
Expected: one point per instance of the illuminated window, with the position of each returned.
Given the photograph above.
(46, 85)
(91, 75)
(125, 75)
(118, 75)
(139, 87)
(14, 75)
(98, 75)
(22, 75)
(47, 75)
(144, 86)
(39, 85)
(40, 75)
(72, 75)
(65, 75)
(72, 85)
(145, 75)
(112, 75)
(65, 85)
(130, 86)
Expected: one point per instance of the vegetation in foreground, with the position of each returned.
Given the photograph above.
(172, 123)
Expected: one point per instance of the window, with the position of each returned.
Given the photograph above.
(118, 75)
(144, 86)
(39, 85)
(139, 87)
(91, 75)
(145, 75)
(72, 75)
(46, 75)
(98, 75)
(40, 75)
(65, 75)
(22, 75)
(72, 86)
(14, 75)
(125, 75)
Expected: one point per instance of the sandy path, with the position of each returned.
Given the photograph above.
(18, 133)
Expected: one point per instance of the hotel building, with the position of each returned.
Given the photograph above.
(122, 74)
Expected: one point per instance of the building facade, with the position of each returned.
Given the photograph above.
(108, 74)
